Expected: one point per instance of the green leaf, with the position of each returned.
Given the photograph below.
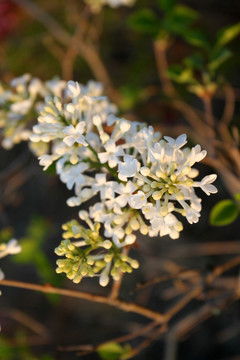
(181, 75)
(114, 351)
(29, 249)
(185, 13)
(218, 58)
(6, 234)
(196, 38)
(224, 213)
(227, 34)
(144, 21)
(31, 244)
(237, 198)
(166, 5)
(179, 20)
(195, 61)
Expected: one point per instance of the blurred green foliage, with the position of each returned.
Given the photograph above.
(114, 351)
(37, 233)
(18, 349)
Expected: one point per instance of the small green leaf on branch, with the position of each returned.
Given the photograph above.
(227, 34)
(166, 5)
(218, 58)
(114, 351)
(224, 213)
(145, 21)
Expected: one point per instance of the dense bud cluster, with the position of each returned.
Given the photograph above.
(92, 255)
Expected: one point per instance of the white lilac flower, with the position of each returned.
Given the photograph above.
(98, 212)
(125, 191)
(112, 154)
(11, 248)
(106, 188)
(47, 160)
(20, 104)
(68, 124)
(127, 168)
(145, 182)
(206, 184)
(138, 201)
(73, 175)
(74, 134)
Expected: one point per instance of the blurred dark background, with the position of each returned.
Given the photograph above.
(33, 204)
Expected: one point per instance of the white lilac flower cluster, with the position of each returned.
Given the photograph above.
(19, 105)
(10, 248)
(96, 5)
(143, 182)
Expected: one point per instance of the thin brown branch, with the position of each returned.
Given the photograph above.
(125, 306)
(160, 49)
(193, 294)
(144, 344)
(207, 101)
(230, 99)
(184, 326)
(70, 55)
(142, 331)
(183, 274)
(219, 270)
(29, 322)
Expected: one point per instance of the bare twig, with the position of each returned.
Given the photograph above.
(70, 55)
(183, 274)
(207, 101)
(160, 49)
(125, 306)
(162, 329)
(230, 99)
(29, 322)
(219, 270)
(142, 331)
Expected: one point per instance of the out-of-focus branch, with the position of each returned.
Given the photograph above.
(70, 55)
(195, 121)
(158, 318)
(160, 49)
(145, 343)
(29, 322)
(142, 331)
(85, 49)
(230, 99)
(207, 101)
